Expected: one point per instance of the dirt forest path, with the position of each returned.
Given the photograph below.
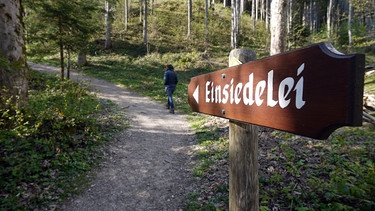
(148, 166)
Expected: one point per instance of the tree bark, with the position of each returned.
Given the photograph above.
(13, 67)
(350, 24)
(126, 14)
(267, 14)
(61, 46)
(206, 21)
(278, 26)
(329, 18)
(82, 59)
(145, 11)
(108, 25)
(235, 23)
(190, 14)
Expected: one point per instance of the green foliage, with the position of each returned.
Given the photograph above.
(53, 23)
(333, 174)
(48, 144)
(299, 174)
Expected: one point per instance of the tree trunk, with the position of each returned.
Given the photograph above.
(140, 10)
(190, 14)
(350, 24)
(152, 7)
(278, 26)
(256, 9)
(82, 59)
(329, 18)
(69, 64)
(225, 3)
(13, 67)
(126, 14)
(145, 40)
(145, 25)
(267, 14)
(108, 25)
(235, 23)
(290, 22)
(253, 9)
(206, 21)
(61, 46)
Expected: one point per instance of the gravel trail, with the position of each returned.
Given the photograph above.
(148, 166)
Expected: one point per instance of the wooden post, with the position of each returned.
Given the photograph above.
(243, 155)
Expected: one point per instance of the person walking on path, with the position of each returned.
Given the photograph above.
(170, 82)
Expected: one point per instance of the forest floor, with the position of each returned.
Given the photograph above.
(148, 166)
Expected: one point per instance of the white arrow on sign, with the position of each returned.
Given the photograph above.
(196, 94)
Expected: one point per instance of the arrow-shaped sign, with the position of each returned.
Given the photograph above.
(311, 91)
(196, 94)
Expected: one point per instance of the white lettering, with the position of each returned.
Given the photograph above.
(231, 92)
(250, 93)
(248, 98)
(283, 94)
(225, 94)
(207, 92)
(299, 89)
(259, 89)
(237, 98)
(270, 101)
(218, 94)
(212, 92)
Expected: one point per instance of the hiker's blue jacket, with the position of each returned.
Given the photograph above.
(170, 78)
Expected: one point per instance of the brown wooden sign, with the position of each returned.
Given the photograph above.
(311, 91)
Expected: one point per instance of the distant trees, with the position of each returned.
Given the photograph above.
(303, 22)
(13, 68)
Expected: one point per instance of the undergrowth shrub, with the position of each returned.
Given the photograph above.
(48, 142)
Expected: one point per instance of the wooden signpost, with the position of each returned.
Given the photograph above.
(311, 92)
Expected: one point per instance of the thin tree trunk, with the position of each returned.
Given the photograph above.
(206, 21)
(61, 45)
(235, 23)
(145, 10)
(152, 7)
(350, 24)
(290, 22)
(69, 65)
(126, 14)
(329, 18)
(267, 14)
(140, 10)
(256, 9)
(253, 9)
(190, 14)
(108, 26)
